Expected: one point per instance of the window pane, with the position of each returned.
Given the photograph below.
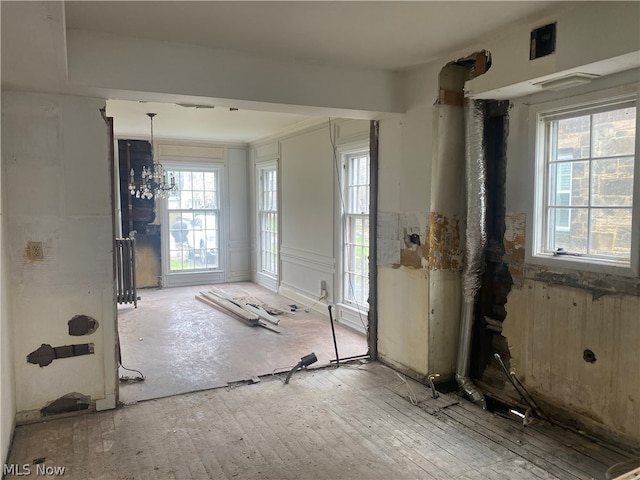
(612, 182)
(614, 132)
(572, 139)
(569, 184)
(568, 229)
(611, 232)
(268, 219)
(193, 222)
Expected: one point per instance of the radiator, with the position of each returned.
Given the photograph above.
(126, 271)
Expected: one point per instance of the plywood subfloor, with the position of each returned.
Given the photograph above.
(182, 345)
(354, 422)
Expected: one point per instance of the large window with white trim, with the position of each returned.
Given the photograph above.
(268, 219)
(193, 214)
(586, 181)
(355, 274)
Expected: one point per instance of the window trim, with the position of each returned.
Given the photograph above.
(198, 276)
(352, 151)
(566, 108)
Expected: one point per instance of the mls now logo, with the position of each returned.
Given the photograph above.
(26, 470)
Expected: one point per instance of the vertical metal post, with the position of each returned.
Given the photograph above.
(333, 332)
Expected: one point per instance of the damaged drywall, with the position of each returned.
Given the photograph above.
(514, 245)
(445, 248)
(46, 354)
(414, 252)
(597, 284)
(71, 402)
(82, 325)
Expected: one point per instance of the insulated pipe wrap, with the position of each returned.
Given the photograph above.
(476, 183)
(476, 239)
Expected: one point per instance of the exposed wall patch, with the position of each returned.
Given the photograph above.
(71, 402)
(514, 245)
(445, 251)
(82, 325)
(46, 354)
(33, 252)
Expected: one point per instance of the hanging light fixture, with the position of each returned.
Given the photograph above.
(153, 180)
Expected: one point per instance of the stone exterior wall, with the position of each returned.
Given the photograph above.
(602, 148)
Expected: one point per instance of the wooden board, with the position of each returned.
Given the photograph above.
(261, 312)
(213, 304)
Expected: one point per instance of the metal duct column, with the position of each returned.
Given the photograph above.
(476, 239)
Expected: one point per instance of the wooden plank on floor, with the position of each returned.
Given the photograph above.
(227, 307)
(256, 310)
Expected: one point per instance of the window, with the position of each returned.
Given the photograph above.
(194, 221)
(585, 183)
(268, 219)
(355, 282)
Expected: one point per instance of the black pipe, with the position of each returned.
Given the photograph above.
(333, 331)
(365, 355)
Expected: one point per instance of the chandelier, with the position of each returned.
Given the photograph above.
(153, 179)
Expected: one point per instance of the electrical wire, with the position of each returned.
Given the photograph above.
(344, 209)
(120, 365)
(131, 379)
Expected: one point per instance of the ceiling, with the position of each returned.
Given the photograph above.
(392, 35)
(370, 35)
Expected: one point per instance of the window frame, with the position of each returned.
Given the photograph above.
(570, 107)
(196, 276)
(268, 166)
(346, 215)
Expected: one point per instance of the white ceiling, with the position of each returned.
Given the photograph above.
(174, 121)
(388, 35)
(392, 35)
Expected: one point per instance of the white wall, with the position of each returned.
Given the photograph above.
(592, 37)
(121, 63)
(405, 153)
(7, 387)
(55, 153)
(307, 212)
(238, 219)
(309, 248)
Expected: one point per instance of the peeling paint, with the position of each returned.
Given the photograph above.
(515, 244)
(445, 249)
(414, 257)
(598, 284)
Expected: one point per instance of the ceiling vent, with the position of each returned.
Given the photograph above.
(567, 81)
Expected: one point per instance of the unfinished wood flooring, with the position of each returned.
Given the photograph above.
(354, 422)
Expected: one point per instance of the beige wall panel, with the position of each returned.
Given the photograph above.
(402, 310)
(556, 324)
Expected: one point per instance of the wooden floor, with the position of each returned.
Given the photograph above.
(182, 345)
(362, 421)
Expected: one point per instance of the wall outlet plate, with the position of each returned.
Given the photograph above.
(35, 251)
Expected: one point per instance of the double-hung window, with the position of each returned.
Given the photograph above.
(586, 169)
(193, 220)
(268, 219)
(355, 281)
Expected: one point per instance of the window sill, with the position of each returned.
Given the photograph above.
(592, 265)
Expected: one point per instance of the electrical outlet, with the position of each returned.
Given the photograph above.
(35, 251)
